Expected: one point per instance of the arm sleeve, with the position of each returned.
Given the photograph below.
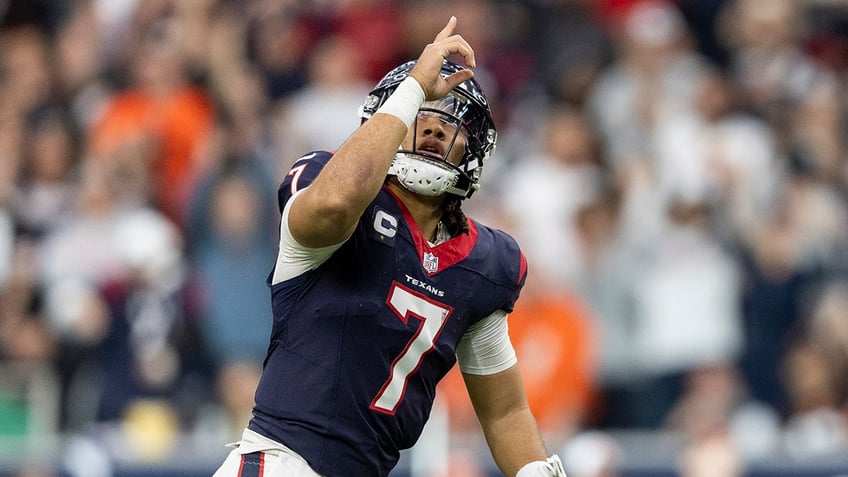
(294, 258)
(485, 348)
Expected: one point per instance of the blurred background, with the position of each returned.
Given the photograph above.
(675, 171)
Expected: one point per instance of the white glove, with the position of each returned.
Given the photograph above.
(550, 467)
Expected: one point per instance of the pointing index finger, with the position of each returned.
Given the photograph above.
(455, 43)
(447, 30)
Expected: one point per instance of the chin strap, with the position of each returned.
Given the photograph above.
(550, 467)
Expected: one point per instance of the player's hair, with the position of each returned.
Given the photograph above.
(453, 217)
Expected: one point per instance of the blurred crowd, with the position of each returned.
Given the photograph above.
(676, 172)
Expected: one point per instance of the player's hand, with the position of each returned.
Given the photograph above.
(427, 70)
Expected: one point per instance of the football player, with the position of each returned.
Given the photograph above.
(382, 284)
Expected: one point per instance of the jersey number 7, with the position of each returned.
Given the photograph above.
(432, 317)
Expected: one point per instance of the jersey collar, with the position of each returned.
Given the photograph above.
(435, 259)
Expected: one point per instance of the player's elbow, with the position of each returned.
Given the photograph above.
(320, 221)
(338, 210)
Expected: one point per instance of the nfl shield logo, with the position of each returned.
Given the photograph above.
(431, 262)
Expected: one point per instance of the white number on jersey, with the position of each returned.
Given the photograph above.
(432, 317)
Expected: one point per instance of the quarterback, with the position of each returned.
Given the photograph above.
(382, 284)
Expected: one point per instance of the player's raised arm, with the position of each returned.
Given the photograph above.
(327, 211)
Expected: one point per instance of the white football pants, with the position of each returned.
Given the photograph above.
(257, 456)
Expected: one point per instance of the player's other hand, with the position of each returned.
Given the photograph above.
(429, 66)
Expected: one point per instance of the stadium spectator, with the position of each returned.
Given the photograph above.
(564, 173)
(324, 111)
(161, 112)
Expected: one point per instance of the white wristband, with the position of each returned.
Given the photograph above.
(405, 101)
(551, 467)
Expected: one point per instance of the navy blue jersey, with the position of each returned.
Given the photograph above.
(359, 343)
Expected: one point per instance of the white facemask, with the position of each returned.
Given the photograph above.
(422, 176)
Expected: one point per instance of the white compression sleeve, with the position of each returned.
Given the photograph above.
(293, 258)
(485, 348)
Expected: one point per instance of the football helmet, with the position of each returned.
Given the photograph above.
(465, 110)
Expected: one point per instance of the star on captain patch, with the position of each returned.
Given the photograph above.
(431, 262)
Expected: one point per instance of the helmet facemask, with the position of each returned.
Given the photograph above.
(426, 168)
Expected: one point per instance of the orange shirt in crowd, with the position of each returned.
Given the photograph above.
(177, 126)
(554, 341)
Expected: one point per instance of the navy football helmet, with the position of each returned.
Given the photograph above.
(466, 109)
